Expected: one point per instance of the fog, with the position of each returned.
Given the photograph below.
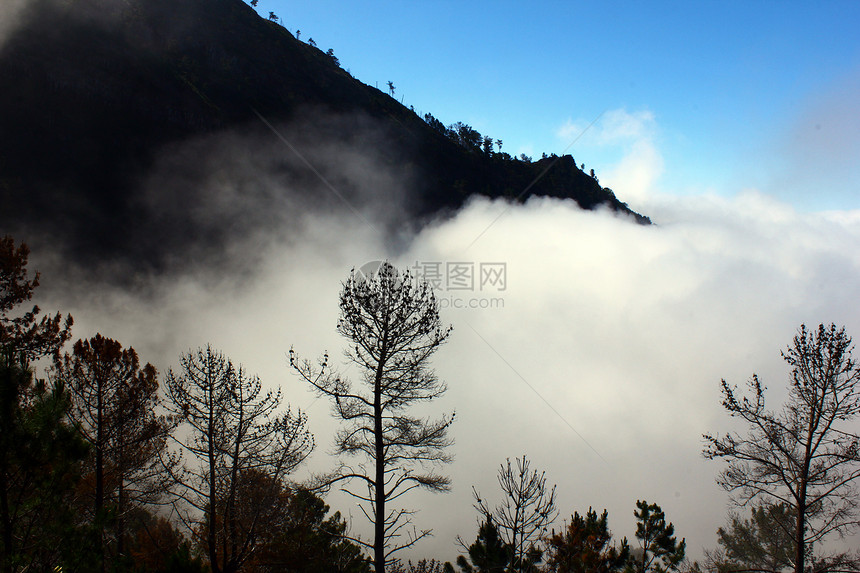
(11, 15)
(600, 357)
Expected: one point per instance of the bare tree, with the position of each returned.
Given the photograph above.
(803, 455)
(527, 510)
(393, 325)
(231, 430)
(114, 403)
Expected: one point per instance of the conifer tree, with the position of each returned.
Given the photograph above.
(393, 327)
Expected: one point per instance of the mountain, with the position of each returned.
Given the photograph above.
(153, 130)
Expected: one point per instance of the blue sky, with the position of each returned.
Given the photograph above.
(736, 95)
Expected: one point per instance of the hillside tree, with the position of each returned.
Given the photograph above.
(805, 454)
(392, 323)
(231, 432)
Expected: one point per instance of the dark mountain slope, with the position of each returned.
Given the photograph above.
(96, 93)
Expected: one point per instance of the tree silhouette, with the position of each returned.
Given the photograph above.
(391, 88)
(661, 552)
(527, 510)
(23, 333)
(297, 536)
(39, 452)
(804, 455)
(113, 406)
(40, 458)
(488, 554)
(330, 54)
(764, 542)
(584, 547)
(231, 430)
(393, 326)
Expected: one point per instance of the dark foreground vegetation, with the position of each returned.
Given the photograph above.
(107, 466)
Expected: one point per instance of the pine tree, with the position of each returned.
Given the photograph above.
(393, 326)
(660, 551)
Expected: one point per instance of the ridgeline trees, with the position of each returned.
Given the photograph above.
(239, 445)
(805, 454)
(392, 324)
(527, 510)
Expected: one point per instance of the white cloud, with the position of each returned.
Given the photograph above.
(613, 127)
(625, 330)
(622, 148)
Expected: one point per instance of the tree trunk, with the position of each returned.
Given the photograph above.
(210, 530)
(799, 534)
(121, 467)
(4, 514)
(120, 524)
(100, 491)
(231, 559)
(379, 526)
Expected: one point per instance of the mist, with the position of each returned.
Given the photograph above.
(599, 357)
(12, 14)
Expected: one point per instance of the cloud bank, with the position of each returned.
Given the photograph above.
(602, 361)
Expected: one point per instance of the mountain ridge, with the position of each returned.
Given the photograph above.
(99, 89)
